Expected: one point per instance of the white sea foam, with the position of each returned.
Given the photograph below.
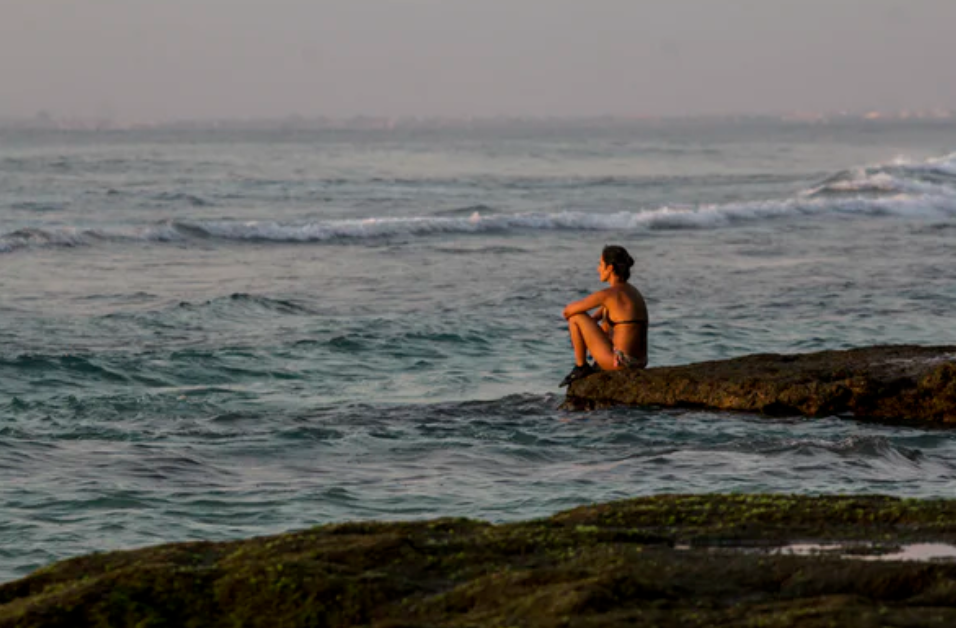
(701, 217)
(901, 188)
(945, 164)
(900, 176)
(661, 218)
(862, 182)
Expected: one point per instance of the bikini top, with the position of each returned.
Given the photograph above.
(633, 321)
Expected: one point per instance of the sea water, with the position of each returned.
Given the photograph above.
(219, 334)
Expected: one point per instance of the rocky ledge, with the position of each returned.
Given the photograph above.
(678, 560)
(886, 382)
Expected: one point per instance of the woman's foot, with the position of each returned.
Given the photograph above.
(576, 373)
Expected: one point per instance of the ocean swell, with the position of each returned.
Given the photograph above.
(901, 188)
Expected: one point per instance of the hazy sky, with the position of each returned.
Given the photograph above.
(165, 59)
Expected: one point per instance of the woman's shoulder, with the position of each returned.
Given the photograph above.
(632, 294)
(627, 289)
(604, 293)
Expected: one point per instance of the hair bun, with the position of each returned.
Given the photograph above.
(619, 258)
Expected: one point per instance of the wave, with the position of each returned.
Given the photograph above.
(206, 318)
(344, 231)
(180, 197)
(251, 303)
(74, 236)
(902, 188)
(467, 211)
(37, 207)
(944, 165)
(932, 177)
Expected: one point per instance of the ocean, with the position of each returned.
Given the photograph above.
(209, 335)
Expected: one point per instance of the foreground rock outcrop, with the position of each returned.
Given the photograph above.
(694, 560)
(888, 382)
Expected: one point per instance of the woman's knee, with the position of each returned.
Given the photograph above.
(573, 320)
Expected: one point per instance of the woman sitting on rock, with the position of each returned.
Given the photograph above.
(620, 341)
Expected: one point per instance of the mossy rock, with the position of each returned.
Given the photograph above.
(886, 383)
(675, 560)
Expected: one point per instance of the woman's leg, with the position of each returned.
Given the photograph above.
(586, 336)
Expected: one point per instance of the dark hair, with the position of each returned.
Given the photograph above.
(618, 257)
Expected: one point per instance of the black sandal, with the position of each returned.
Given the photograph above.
(578, 372)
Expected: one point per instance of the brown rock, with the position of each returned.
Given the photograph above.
(668, 561)
(886, 382)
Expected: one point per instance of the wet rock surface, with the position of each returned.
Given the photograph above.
(691, 560)
(885, 382)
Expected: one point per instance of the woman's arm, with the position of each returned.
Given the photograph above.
(600, 317)
(584, 305)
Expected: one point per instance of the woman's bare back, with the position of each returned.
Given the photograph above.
(626, 314)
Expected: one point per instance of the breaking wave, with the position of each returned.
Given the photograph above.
(701, 217)
(901, 188)
(71, 236)
(933, 177)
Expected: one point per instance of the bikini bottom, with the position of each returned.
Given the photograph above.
(625, 361)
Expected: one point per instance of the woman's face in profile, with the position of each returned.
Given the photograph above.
(604, 271)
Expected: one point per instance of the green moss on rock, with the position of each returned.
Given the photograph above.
(672, 560)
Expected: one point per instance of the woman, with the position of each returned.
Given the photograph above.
(621, 342)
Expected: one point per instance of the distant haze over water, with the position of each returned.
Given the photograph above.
(46, 121)
(206, 59)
